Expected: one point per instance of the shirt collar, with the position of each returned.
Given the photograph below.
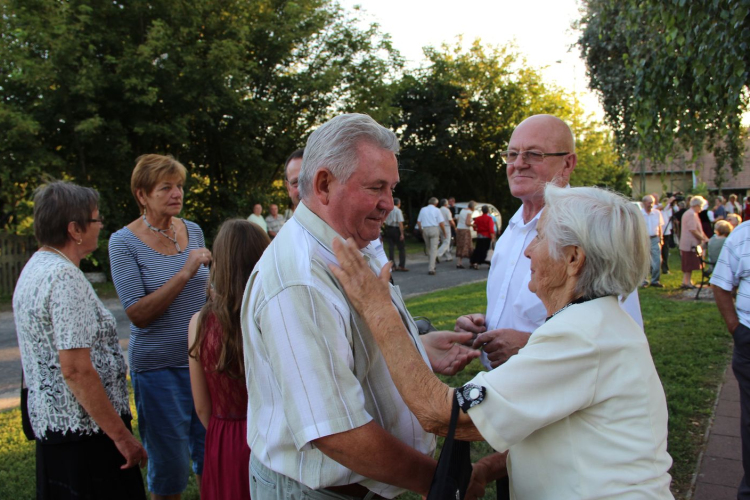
(517, 219)
(325, 234)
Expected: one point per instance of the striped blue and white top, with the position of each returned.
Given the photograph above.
(733, 269)
(137, 271)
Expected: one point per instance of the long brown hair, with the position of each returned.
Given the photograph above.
(237, 248)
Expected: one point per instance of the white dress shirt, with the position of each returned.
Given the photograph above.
(430, 216)
(654, 221)
(510, 303)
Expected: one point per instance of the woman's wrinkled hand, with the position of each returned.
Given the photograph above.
(197, 258)
(366, 292)
(133, 452)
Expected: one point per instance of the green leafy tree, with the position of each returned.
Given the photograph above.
(229, 87)
(672, 74)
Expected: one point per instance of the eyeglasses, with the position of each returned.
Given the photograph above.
(530, 157)
(100, 219)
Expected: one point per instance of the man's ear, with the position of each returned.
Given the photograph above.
(570, 164)
(575, 258)
(322, 182)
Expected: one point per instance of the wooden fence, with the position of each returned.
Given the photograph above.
(15, 251)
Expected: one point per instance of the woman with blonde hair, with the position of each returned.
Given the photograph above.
(160, 270)
(217, 371)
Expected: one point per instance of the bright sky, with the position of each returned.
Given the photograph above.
(541, 29)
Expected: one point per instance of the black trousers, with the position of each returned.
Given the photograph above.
(741, 368)
(88, 468)
(480, 251)
(393, 237)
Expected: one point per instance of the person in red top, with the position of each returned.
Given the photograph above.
(216, 362)
(485, 228)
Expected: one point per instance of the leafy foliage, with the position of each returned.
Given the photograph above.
(672, 74)
(227, 87)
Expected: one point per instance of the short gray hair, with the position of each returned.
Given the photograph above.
(432, 201)
(334, 145)
(56, 205)
(588, 217)
(697, 200)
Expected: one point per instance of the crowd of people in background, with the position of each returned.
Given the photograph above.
(298, 372)
(693, 225)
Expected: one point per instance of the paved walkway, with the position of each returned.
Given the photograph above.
(720, 470)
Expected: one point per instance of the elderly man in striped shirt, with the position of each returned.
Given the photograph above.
(323, 412)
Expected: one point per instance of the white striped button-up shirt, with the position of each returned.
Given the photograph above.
(733, 269)
(313, 368)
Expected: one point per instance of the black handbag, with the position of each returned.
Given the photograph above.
(453, 471)
(28, 431)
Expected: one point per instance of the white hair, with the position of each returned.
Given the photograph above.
(610, 230)
(334, 145)
(697, 200)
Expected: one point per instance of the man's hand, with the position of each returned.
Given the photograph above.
(472, 323)
(487, 469)
(501, 344)
(445, 352)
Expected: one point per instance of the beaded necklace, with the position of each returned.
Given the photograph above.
(164, 233)
(59, 253)
(579, 300)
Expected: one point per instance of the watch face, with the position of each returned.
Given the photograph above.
(474, 393)
(469, 396)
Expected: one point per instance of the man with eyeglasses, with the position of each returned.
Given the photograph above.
(541, 150)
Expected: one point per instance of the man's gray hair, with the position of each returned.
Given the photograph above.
(432, 201)
(334, 145)
(648, 197)
(610, 230)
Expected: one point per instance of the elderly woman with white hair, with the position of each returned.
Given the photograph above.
(691, 236)
(580, 408)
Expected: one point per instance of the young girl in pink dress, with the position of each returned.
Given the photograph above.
(217, 371)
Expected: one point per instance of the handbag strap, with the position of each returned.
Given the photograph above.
(454, 421)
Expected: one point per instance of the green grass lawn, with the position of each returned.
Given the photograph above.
(689, 343)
